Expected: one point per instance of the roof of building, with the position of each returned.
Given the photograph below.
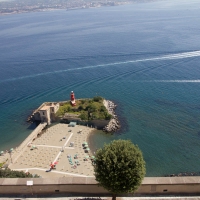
(72, 124)
(45, 107)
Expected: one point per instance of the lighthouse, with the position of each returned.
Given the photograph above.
(73, 101)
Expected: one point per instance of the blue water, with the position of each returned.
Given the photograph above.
(145, 57)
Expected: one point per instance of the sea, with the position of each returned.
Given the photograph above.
(145, 57)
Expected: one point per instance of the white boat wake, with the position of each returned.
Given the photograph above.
(170, 81)
(165, 57)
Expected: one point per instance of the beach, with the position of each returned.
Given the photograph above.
(59, 144)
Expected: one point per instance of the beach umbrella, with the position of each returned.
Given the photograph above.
(86, 145)
(92, 157)
(88, 149)
(86, 156)
(11, 149)
(2, 152)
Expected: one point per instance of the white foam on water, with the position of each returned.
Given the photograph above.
(165, 57)
(174, 81)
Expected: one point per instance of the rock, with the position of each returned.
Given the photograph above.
(113, 124)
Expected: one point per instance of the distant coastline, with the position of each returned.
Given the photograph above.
(9, 8)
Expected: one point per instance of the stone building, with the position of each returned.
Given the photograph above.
(47, 112)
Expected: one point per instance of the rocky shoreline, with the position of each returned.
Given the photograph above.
(184, 174)
(114, 123)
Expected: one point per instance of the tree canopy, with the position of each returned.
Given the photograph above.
(120, 167)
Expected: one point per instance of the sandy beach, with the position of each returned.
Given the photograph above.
(59, 144)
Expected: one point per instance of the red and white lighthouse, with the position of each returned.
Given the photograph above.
(73, 101)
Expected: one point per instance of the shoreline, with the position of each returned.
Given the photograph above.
(89, 141)
(80, 7)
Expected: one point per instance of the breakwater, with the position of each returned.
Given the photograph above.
(114, 123)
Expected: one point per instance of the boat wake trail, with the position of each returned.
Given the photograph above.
(165, 57)
(172, 81)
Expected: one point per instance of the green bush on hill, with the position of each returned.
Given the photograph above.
(64, 108)
(97, 99)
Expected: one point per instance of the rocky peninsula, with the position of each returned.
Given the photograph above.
(97, 112)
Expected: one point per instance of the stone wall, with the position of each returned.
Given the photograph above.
(159, 185)
(99, 124)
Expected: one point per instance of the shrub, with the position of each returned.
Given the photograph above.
(8, 173)
(97, 98)
(83, 116)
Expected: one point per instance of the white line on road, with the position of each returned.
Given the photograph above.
(54, 171)
(58, 147)
(64, 146)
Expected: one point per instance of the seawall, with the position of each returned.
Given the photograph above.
(19, 150)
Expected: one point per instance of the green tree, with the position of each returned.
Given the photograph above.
(83, 116)
(103, 109)
(97, 99)
(107, 116)
(120, 167)
(80, 108)
(83, 101)
(91, 108)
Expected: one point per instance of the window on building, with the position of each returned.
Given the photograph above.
(43, 113)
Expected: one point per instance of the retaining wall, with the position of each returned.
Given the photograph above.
(159, 185)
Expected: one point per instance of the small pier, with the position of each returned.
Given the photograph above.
(28, 140)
